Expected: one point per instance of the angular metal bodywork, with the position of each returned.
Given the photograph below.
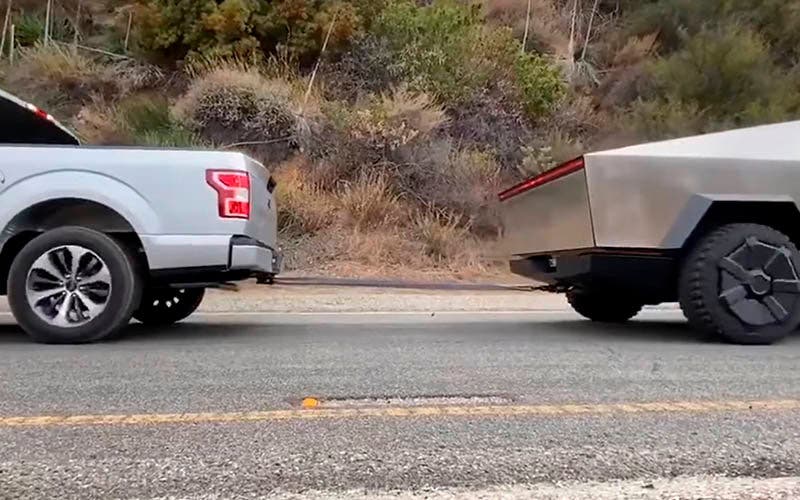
(652, 196)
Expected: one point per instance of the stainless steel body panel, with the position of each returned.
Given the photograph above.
(654, 202)
(651, 196)
(553, 216)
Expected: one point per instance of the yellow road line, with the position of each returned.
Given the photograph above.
(403, 412)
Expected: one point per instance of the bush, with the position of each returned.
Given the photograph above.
(229, 106)
(374, 135)
(678, 20)
(29, 28)
(726, 75)
(368, 203)
(148, 122)
(433, 47)
(445, 49)
(177, 28)
(395, 120)
(441, 235)
(367, 68)
(303, 208)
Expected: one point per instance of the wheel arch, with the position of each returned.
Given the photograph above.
(53, 213)
(704, 213)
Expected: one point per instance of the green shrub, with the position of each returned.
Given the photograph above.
(248, 27)
(727, 74)
(148, 122)
(434, 46)
(445, 49)
(778, 21)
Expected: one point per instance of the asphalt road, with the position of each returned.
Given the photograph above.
(214, 410)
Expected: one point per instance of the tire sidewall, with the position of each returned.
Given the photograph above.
(147, 314)
(125, 286)
(726, 323)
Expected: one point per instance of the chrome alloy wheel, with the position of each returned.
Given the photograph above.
(68, 286)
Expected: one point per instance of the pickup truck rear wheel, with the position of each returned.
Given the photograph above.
(742, 282)
(603, 306)
(73, 285)
(165, 306)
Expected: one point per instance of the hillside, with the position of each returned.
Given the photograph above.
(391, 124)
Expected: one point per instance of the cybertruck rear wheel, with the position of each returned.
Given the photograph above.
(603, 306)
(73, 285)
(741, 282)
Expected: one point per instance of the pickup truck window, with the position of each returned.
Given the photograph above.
(24, 123)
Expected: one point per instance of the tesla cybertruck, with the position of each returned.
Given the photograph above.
(709, 221)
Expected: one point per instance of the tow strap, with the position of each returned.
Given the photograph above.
(412, 285)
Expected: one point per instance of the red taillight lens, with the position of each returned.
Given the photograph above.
(233, 192)
(541, 179)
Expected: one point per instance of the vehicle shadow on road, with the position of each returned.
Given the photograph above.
(641, 330)
(135, 332)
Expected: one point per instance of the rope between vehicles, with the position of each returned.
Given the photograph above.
(408, 285)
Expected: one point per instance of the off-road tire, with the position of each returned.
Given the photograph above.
(122, 300)
(165, 306)
(713, 299)
(603, 306)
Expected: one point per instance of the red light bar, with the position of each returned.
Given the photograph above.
(44, 115)
(541, 179)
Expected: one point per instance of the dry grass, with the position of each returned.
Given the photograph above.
(441, 235)
(59, 67)
(304, 208)
(369, 202)
(417, 110)
(397, 119)
(385, 248)
(549, 31)
(96, 124)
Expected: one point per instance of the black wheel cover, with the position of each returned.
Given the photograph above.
(741, 282)
(759, 282)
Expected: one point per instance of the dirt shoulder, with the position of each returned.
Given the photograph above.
(282, 298)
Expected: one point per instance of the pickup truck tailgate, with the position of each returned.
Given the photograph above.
(548, 213)
(263, 222)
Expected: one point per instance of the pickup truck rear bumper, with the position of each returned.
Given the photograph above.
(252, 255)
(209, 259)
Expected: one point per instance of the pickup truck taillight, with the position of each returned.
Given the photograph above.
(233, 192)
(541, 179)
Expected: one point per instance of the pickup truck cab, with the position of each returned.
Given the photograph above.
(93, 236)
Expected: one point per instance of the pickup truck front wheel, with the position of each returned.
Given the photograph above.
(165, 306)
(603, 306)
(73, 285)
(742, 282)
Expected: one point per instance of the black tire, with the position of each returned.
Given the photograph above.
(740, 282)
(165, 306)
(603, 306)
(121, 299)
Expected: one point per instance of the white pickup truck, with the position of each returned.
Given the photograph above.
(92, 237)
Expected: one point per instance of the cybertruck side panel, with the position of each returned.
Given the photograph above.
(653, 201)
(550, 218)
